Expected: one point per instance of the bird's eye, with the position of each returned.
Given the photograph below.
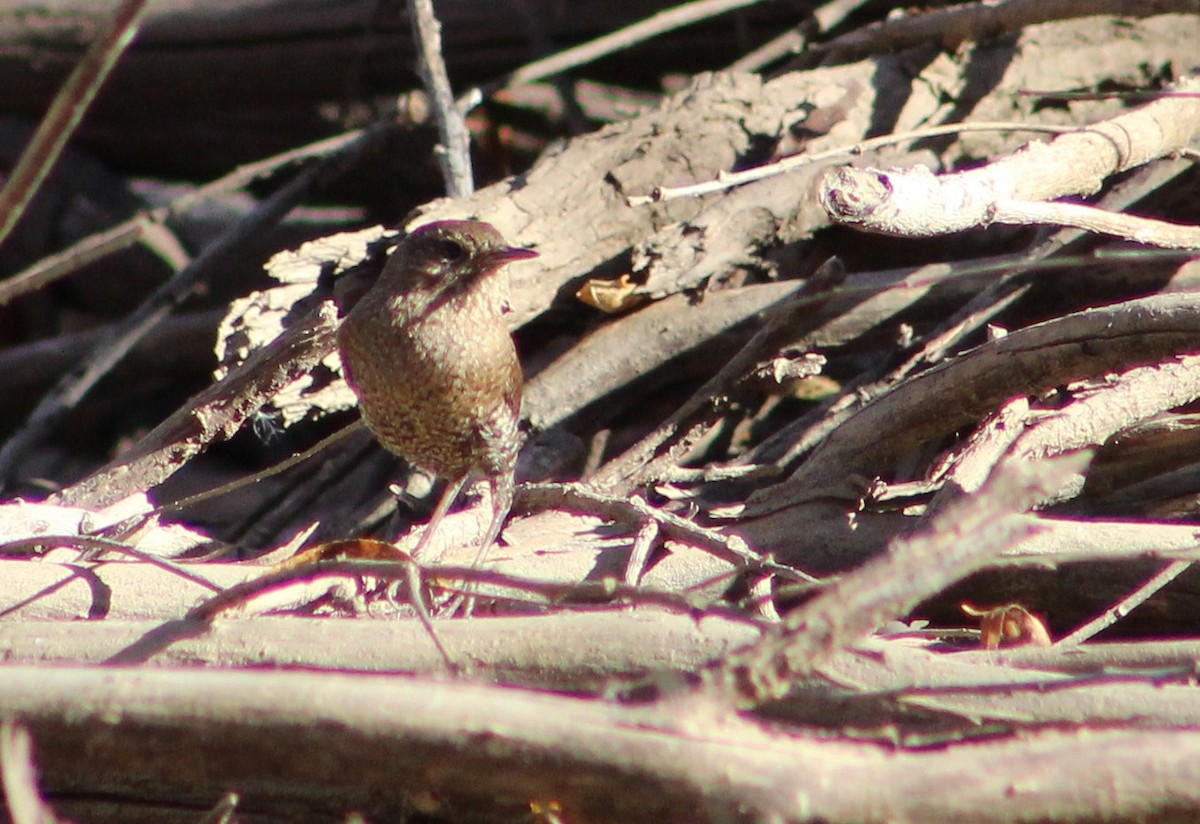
(450, 250)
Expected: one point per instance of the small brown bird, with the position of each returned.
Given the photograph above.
(437, 376)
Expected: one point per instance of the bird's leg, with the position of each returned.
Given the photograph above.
(417, 594)
(449, 496)
(501, 494)
(501, 488)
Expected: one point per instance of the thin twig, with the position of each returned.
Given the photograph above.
(469, 579)
(1152, 232)
(69, 105)
(622, 473)
(250, 480)
(794, 41)
(535, 29)
(1126, 605)
(214, 414)
(805, 433)
(729, 180)
(83, 252)
(635, 512)
(96, 544)
(639, 554)
(916, 202)
(584, 53)
(952, 25)
(454, 154)
(222, 812)
(126, 234)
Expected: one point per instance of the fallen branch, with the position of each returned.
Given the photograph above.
(916, 203)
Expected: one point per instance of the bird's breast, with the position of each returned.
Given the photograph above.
(431, 387)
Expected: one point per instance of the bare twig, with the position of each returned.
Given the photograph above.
(1117, 401)
(137, 228)
(825, 17)
(891, 424)
(1002, 292)
(222, 812)
(69, 105)
(271, 471)
(1099, 657)
(917, 203)
(729, 180)
(454, 154)
(584, 53)
(95, 544)
(790, 42)
(620, 474)
(1127, 605)
(968, 21)
(1160, 233)
(217, 412)
(469, 580)
(643, 544)
(534, 24)
(636, 512)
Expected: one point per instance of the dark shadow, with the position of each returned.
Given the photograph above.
(984, 69)
(157, 640)
(101, 592)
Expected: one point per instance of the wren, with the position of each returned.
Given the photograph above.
(437, 375)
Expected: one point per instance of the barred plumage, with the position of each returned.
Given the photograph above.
(428, 353)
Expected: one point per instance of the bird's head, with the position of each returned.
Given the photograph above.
(452, 256)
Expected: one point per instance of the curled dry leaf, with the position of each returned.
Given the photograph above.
(611, 296)
(297, 572)
(1011, 625)
(350, 549)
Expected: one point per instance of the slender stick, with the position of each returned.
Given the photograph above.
(1126, 605)
(729, 180)
(69, 105)
(135, 229)
(454, 155)
(584, 53)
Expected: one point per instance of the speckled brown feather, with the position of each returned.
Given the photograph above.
(428, 353)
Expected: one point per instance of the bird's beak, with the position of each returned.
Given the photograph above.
(499, 257)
